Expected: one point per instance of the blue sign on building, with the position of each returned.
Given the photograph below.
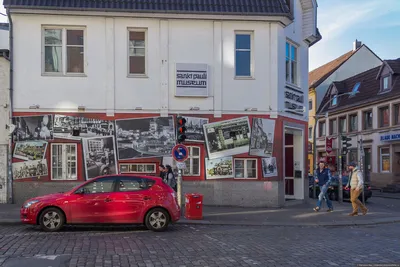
(390, 137)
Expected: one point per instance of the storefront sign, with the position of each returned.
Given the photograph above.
(294, 101)
(328, 144)
(390, 137)
(191, 80)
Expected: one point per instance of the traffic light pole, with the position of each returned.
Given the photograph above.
(340, 152)
(180, 138)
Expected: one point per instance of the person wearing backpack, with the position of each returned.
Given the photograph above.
(170, 178)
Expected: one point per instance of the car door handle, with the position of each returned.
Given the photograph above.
(147, 198)
(107, 200)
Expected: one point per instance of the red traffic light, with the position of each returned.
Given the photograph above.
(181, 121)
(182, 129)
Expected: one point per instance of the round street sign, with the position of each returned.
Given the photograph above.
(180, 153)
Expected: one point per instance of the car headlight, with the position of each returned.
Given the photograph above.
(30, 203)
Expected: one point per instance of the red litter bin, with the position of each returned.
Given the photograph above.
(193, 206)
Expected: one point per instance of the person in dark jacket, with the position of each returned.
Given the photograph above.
(323, 177)
(162, 171)
(170, 178)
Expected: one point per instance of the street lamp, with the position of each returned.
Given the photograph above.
(316, 118)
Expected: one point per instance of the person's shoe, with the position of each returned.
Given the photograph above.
(316, 209)
(365, 212)
(353, 214)
(329, 210)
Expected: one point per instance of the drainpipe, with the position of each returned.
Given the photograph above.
(11, 57)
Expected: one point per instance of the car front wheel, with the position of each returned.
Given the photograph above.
(51, 220)
(157, 220)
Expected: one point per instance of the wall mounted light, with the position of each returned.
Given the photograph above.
(34, 106)
(250, 109)
(194, 108)
(81, 108)
(138, 108)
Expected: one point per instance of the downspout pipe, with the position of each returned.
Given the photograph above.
(11, 57)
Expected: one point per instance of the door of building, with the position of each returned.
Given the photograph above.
(367, 164)
(289, 166)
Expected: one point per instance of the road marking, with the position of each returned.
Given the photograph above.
(331, 263)
(47, 257)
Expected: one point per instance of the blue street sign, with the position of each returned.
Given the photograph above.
(180, 153)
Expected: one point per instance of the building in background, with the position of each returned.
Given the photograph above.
(357, 60)
(371, 113)
(4, 110)
(138, 65)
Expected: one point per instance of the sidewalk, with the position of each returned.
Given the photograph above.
(377, 193)
(296, 215)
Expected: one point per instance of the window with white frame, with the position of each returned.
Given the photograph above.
(63, 50)
(243, 54)
(246, 168)
(63, 162)
(291, 63)
(137, 52)
(384, 159)
(137, 168)
(193, 162)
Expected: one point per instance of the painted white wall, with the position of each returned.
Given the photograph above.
(107, 87)
(4, 40)
(361, 61)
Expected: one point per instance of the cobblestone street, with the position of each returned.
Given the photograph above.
(186, 245)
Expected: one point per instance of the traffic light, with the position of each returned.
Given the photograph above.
(180, 129)
(345, 145)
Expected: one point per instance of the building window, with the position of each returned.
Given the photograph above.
(385, 85)
(310, 104)
(193, 162)
(353, 155)
(333, 127)
(63, 51)
(334, 100)
(396, 114)
(310, 132)
(384, 120)
(353, 123)
(137, 168)
(63, 162)
(322, 128)
(137, 52)
(367, 120)
(243, 55)
(385, 159)
(342, 125)
(246, 168)
(291, 63)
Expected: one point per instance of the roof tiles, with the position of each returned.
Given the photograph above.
(242, 7)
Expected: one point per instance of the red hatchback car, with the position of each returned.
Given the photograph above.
(113, 199)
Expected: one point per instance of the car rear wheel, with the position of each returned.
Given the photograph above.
(51, 220)
(157, 220)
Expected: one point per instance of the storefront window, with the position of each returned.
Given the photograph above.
(246, 168)
(385, 159)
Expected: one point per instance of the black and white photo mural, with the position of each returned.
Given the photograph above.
(88, 127)
(194, 129)
(227, 138)
(100, 156)
(29, 169)
(219, 168)
(38, 127)
(269, 167)
(262, 137)
(145, 137)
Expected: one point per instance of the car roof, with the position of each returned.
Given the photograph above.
(128, 175)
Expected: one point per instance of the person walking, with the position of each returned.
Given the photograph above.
(170, 178)
(323, 177)
(356, 183)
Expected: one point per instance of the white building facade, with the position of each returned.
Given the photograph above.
(118, 65)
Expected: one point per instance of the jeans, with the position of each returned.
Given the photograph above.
(324, 194)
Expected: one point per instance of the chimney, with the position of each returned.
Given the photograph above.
(357, 44)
